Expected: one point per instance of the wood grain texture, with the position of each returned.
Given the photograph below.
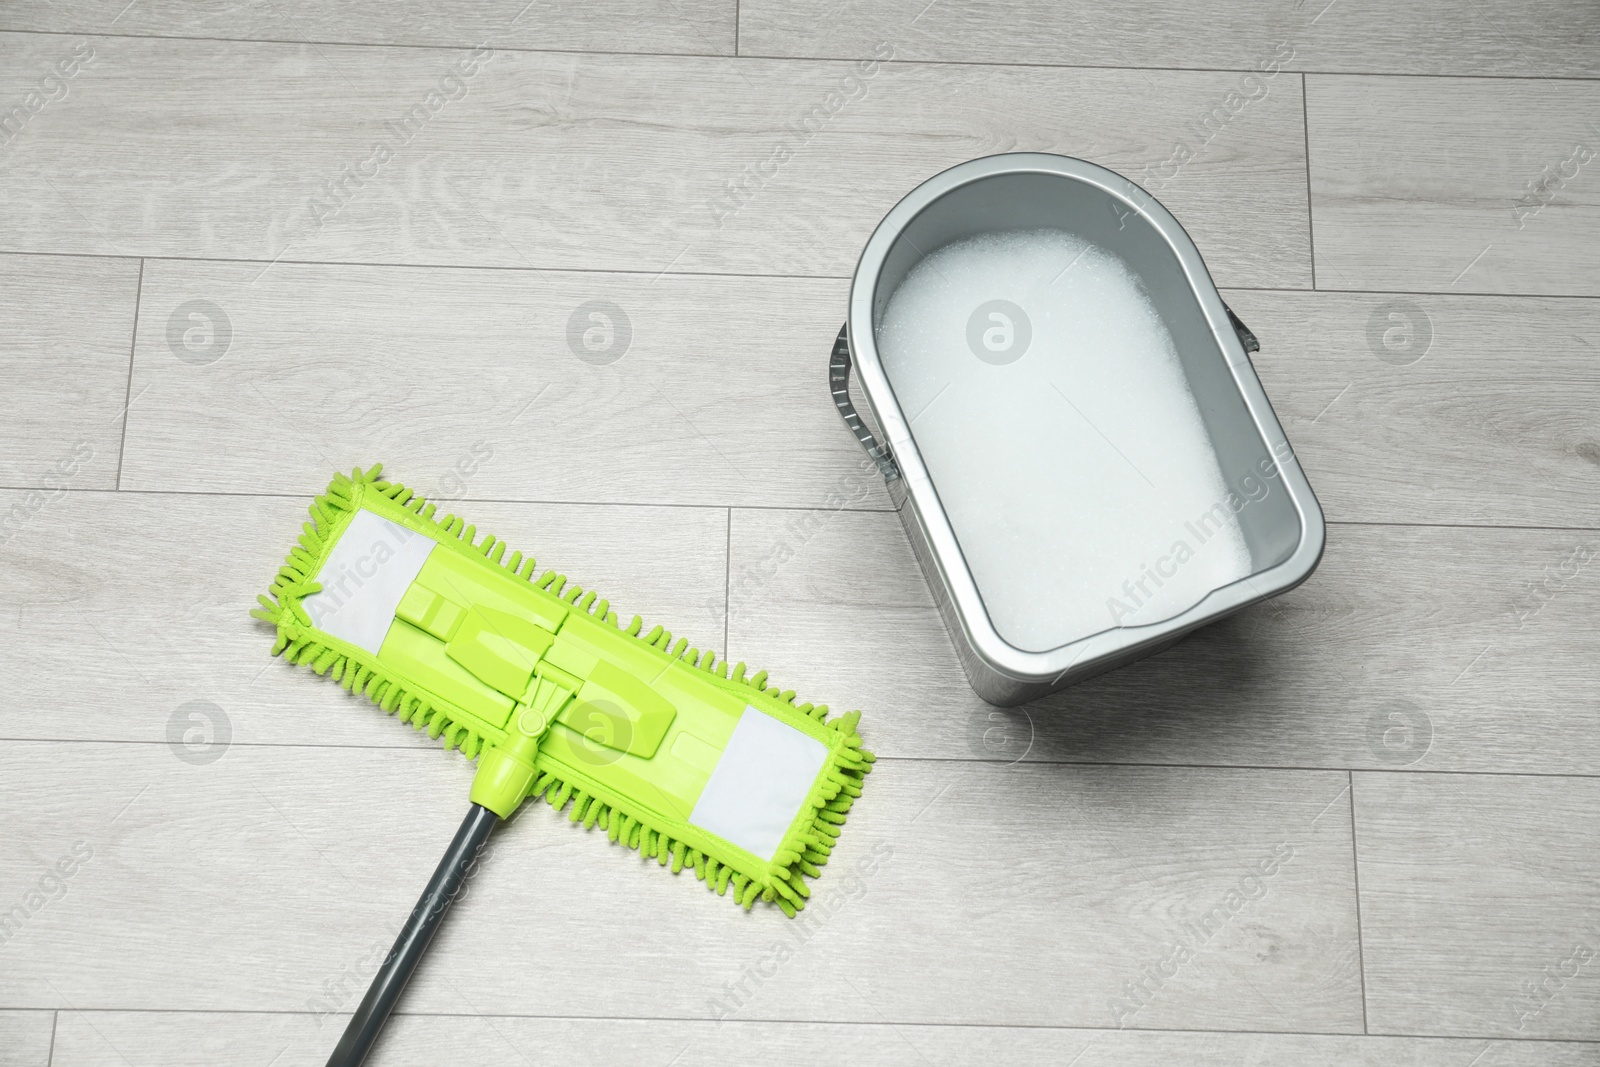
(1475, 894)
(716, 392)
(66, 336)
(166, 1039)
(1441, 185)
(1437, 648)
(25, 1038)
(692, 26)
(1547, 38)
(127, 615)
(229, 150)
(257, 880)
(348, 237)
(1437, 409)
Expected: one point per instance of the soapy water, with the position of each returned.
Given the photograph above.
(1046, 398)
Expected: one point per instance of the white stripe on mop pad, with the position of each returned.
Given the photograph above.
(364, 577)
(757, 787)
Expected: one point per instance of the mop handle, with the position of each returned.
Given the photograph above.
(391, 979)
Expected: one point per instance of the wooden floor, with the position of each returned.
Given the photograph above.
(215, 289)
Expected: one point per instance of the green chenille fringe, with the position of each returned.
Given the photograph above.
(803, 852)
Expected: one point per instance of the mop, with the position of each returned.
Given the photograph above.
(652, 741)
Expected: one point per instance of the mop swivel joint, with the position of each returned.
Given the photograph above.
(506, 772)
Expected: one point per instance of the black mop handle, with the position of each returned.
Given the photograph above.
(391, 979)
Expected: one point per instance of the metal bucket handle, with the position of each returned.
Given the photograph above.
(839, 383)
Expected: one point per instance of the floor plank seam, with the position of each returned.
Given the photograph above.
(1311, 228)
(803, 508)
(854, 510)
(1417, 292)
(510, 268)
(127, 396)
(727, 583)
(386, 44)
(751, 56)
(311, 746)
(379, 265)
(882, 1023)
(1355, 873)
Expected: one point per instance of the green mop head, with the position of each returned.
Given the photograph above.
(654, 742)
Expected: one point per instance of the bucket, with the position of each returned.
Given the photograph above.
(1086, 466)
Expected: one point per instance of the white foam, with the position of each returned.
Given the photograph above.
(1072, 475)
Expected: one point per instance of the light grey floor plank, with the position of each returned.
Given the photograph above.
(716, 392)
(66, 336)
(126, 615)
(1480, 912)
(1437, 409)
(1464, 435)
(1455, 185)
(1547, 38)
(951, 882)
(1481, 639)
(692, 26)
(25, 1038)
(162, 1039)
(1425, 647)
(595, 162)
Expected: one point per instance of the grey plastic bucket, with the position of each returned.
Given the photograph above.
(1283, 530)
